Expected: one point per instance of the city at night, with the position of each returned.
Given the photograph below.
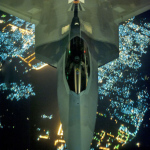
(29, 109)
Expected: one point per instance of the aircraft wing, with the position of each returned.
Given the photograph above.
(48, 12)
(100, 20)
(102, 17)
(52, 20)
(125, 9)
(24, 9)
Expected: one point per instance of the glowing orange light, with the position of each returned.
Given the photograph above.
(28, 62)
(60, 131)
(38, 68)
(57, 141)
(76, 2)
(30, 56)
(104, 148)
(43, 136)
(110, 135)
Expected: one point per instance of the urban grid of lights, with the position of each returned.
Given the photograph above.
(18, 92)
(19, 43)
(119, 78)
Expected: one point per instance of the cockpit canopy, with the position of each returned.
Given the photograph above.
(77, 68)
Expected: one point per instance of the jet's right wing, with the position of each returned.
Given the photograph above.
(101, 18)
(126, 9)
(100, 21)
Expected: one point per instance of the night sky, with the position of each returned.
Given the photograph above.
(20, 119)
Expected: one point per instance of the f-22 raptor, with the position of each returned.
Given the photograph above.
(76, 37)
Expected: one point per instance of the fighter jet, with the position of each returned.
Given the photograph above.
(76, 37)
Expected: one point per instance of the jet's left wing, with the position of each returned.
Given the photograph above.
(29, 10)
(52, 20)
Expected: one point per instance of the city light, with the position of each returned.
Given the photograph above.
(59, 141)
(45, 116)
(37, 66)
(40, 67)
(1, 125)
(138, 144)
(18, 92)
(25, 37)
(1, 21)
(60, 131)
(104, 148)
(44, 137)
